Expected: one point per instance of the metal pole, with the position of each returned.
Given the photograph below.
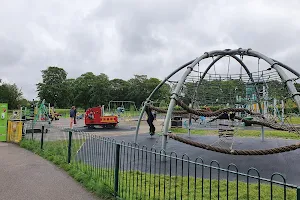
(117, 166)
(289, 82)
(190, 121)
(109, 107)
(139, 123)
(69, 147)
(173, 101)
(264, 113)
(274, 104)
(42, 138)
(282, 111)
(32, 129)
(298, 193)
(21, 113)
(153, 92)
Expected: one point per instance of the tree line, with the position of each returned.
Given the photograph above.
(91, 89)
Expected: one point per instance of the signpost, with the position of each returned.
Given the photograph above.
(3, 121)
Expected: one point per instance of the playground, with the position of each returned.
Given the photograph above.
(230, 127)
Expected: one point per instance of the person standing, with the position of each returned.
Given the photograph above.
(72, 114)
(150, 120)
(75, 114)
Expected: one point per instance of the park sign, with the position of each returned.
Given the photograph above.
(3, 121)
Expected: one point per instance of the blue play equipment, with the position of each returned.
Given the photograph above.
(120, 110)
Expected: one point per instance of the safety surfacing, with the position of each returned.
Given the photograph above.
(285, 163)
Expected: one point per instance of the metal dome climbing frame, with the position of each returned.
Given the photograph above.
(234, 54)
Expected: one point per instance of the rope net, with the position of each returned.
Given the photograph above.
(260, 95)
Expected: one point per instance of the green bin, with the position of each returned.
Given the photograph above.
(248, 118)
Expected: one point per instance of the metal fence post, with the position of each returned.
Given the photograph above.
(117, 166)
(69, 147)
(298, 193)
(32, 130)
(42, 138)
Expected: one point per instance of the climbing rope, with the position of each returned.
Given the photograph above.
(275, 126)
(215, 113)
(218, 113)
(262, 122)
(236, 152)
(202, 112)
(178, 112)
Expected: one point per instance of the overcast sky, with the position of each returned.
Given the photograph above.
(126, 37)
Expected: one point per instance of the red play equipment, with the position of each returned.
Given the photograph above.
(95, 117)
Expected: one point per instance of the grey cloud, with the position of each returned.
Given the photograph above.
(122, 38)
(138, 23)
(11, 52)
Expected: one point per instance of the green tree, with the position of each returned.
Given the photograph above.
(69, 92)
(11, 94)
(137, 89)
(53, 88)
(140, 87)
(83, 89)
(24, 102)
(100, 91)
(119, 90)
(163, 93)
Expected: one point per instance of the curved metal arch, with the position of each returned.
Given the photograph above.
(287, 68)
(239, 51)
(241, 63)
(280, 64)
(289, 82)
(274, 64)
(182, 80)
(248, 73)
(153, 92)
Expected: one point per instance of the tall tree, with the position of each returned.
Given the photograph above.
(163, 93)
(119, 90)
(69, 92)
(53, 87)
(83, 89)
(137, 89)
(100, 91)
(11, 94)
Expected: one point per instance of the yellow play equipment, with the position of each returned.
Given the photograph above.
(14, 131)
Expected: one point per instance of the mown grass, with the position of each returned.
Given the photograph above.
(294, 120)
(244, 133)
(140, 185)
(65, 113)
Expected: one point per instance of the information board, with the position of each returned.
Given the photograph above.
(3, 121)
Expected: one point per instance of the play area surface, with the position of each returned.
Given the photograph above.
(284, 163)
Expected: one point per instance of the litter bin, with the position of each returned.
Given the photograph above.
(176, 122)
(248, 118)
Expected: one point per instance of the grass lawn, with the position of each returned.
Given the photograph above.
(140, 185)
(294, 120)
(66, 112)
(244, 133)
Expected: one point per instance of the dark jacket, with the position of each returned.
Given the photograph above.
(72, 113)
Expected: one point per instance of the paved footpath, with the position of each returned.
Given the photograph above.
(24, 175)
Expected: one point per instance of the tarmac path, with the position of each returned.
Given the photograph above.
(24, 175)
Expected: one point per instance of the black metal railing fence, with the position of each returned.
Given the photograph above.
(131, 171)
